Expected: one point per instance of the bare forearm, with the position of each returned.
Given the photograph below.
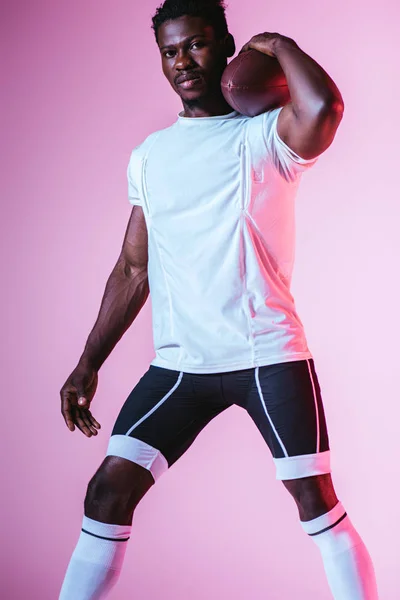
(125, 293)
(311, 88)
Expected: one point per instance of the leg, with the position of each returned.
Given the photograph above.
(313, 495)
(115, 490)
(347, 563)
(112, 496)
(158, 422)
(285, 403)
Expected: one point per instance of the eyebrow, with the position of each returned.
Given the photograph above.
(185, 41)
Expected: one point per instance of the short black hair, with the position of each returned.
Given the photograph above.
(212, 11)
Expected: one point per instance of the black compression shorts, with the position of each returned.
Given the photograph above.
(167, 410)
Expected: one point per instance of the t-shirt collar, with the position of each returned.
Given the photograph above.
(198, 120)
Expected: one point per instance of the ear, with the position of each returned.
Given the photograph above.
(229, 45)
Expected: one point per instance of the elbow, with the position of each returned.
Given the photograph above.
(336, 106)
(332, 107)
(131, 269)
(322, 110)
(328, 114)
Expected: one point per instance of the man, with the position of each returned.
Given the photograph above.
(211, 236)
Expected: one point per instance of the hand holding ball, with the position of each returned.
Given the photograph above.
(254, 82)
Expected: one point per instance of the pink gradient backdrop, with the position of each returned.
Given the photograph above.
(81, 86)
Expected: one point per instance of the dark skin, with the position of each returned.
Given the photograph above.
(307, 124)
(189, 45)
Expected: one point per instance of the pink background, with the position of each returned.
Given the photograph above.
(81, 86)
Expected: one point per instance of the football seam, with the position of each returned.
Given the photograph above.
(231, 86)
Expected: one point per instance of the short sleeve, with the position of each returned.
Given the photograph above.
(133, 192)
(289, 164)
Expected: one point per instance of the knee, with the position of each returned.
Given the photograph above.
(314, 495)
(118, 484)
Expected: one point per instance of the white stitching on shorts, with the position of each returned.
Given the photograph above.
(316, 405)
(167, 395)
(266, 412)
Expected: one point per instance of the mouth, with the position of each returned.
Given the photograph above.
(188, 81)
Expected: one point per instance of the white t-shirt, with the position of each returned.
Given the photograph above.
(218, 198)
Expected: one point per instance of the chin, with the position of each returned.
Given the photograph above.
(191, 96)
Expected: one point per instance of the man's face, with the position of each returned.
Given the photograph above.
(192, 58)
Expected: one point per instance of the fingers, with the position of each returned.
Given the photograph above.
(93, 420)
(87, 418)
(83, 422)
(73, 415)
(67, 414)
(80, 417)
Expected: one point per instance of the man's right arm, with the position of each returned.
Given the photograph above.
(126, 292)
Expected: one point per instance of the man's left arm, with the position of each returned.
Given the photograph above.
(309, 122)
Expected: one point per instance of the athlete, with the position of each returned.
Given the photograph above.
(211, 238)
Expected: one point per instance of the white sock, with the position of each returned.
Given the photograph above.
(348, 565)
(96, 562)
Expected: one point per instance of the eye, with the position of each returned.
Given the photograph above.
(171, 53)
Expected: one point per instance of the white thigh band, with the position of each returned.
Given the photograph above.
(304, 465)
(138, 452)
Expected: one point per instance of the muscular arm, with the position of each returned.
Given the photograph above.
(309, 122)
(125, 293)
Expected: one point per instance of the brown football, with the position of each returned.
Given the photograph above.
(253, 83)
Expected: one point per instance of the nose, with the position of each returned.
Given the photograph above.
(183, 61)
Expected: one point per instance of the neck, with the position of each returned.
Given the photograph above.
(203, 107)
